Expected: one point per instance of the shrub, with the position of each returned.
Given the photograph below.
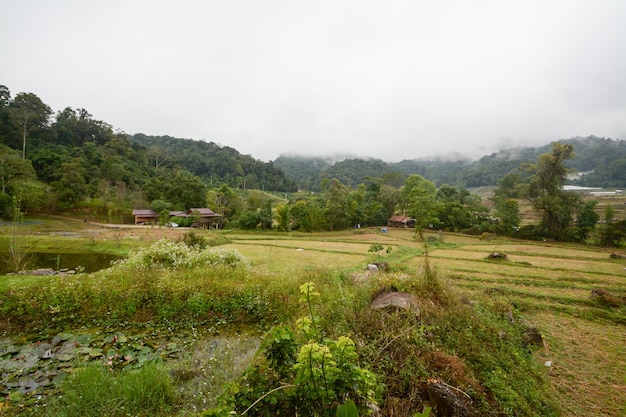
(308, 376)
(178, 255)
(193, 239)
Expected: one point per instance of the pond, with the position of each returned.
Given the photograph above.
(91, 262)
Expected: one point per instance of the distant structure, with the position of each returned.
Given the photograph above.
(594, 191)
(605, 193)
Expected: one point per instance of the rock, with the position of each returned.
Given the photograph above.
(382, 266)
(396, 300)
(532, 336)
(372, 267)
(606, 298)
(40, 271)
(445, 401)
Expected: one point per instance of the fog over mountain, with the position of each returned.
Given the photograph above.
(392, 80)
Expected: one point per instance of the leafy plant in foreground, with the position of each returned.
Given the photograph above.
(310, 376)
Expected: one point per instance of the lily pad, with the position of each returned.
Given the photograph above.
(95, 353)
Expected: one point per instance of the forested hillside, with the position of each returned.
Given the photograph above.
(70, 161)
(602, 160)
(213, 163)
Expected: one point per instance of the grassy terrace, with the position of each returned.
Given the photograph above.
(550, 283)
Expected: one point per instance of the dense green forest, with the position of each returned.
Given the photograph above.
(602, 160)
(70, 161)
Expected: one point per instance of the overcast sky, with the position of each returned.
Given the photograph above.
(386, 79)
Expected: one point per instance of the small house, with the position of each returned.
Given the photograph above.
(145, 216)
(206, 218)
(401, 221)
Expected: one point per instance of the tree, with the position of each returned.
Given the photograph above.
(508, 187)
(13, 168)
(282, 217)
(586, 220)
(265, 215)
(337, 207)
(249, 220)
(29, 112)
(458, 209)
(72, 186)
(545, 191)
(610, 234)
(224, 200)
(507, 211)
(418, 201)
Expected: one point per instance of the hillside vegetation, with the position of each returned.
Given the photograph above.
(602, 159)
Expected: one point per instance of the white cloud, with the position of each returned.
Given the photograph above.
(393, 79)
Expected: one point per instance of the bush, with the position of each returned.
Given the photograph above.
(181, 221)
(249, 220)
(309, 376)
(192, 239)
(168, 254)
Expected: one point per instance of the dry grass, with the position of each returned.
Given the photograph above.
(586, 342)
(588, 371)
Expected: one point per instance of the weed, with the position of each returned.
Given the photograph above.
(96, 391)
(309, 376)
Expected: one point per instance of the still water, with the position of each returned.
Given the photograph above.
(91, 262)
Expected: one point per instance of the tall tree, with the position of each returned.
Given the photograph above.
(29, 112)
(418, 200)
(337, 207)
(545, 191)
(13, 168)
(586, 220)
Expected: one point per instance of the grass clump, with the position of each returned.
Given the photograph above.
(95, 391)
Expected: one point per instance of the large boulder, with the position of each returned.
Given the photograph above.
(607, 299)
(396, 300)
(446, 402)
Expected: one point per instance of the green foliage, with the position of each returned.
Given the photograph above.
(458, 209)
(194, 240)
(249, 220)
(508, 214)
(418, 200)
(347, 409)
(425, 413)
(376, 248)
(96, 391)
(612, 232)
(586, 220)
(283, 217)
(306, 376)
(545, 191)
(179, 255)
(214, 164)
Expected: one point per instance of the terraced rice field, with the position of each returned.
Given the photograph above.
(549, 284)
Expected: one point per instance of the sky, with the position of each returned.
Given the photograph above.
(392, 79)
